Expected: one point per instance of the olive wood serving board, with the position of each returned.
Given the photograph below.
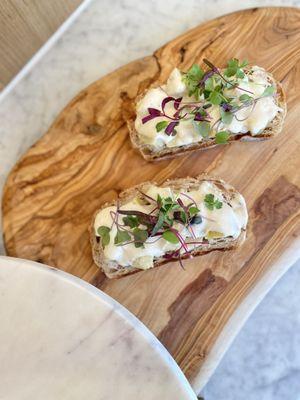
(86, 159)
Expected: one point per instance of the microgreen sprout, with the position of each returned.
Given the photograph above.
(211, 87)
(171, 217)
(211, 202)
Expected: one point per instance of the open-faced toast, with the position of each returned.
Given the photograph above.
(152, 152)
(212, 201)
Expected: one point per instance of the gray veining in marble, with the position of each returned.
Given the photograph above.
(63, 339)
(264, 360)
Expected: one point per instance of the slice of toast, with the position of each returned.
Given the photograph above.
(111, 267)
(151, 154)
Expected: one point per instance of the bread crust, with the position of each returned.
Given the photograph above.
(113, 270)
(150, 154)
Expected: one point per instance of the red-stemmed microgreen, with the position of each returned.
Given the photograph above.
(208, 89)
(216, 70)
(143, 228)
(187, 111)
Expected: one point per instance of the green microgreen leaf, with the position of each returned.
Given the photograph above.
(170, 236)
(244, 98)
(121, 237)
(159, 200)
(161, 125)
(218, 204)
(210, 202)
(230, 72)
(243, 63)
(218, 88)
(240, 74)
(233, 63)
(222, 137)
(131, 221)
(159, 223)
(270, 90)
(192, 78)
(196, 93)
(168, 204)
(209, 84)
(231, 69)
(215, 98)
(235, 68)
(103, 232)
(226, 116)
(169, 220)
(203, 128)
(196, 72)
(183, 217)
(234, 104)
(140, 236)
(193, 211)
(206, 94)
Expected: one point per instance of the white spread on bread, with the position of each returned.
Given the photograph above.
(217, 224)
(250, 120)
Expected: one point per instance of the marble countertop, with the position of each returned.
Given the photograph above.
(264, 361)
(62, 338)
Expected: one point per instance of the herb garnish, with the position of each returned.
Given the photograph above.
(211, 203)
(235, 68)
(103, 232)
(209, 87)
(142, 228)
(121, 236)
(159, 225)
(222, 137)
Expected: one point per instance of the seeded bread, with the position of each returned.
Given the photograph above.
(113, 270)
(150, 154)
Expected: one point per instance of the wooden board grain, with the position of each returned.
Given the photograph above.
(86, 159)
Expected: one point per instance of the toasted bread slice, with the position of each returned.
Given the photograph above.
(151, 154)
(113, 270)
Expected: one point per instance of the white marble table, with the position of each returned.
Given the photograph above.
(265, 358)
(63, 339)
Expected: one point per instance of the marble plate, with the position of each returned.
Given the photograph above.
(63, 339)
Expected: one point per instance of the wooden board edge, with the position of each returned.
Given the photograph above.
(241, 314)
